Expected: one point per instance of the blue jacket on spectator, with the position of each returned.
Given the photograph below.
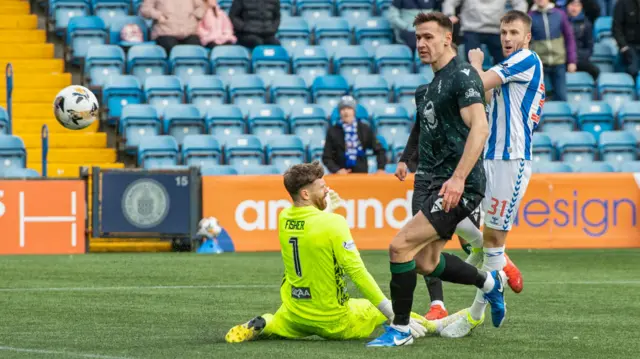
(552, 36)
(583, 33)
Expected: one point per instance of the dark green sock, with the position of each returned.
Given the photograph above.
(403, 284)
(466, 248)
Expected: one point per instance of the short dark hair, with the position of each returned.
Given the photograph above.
(303, 174)
(440, 18)
(515, 15)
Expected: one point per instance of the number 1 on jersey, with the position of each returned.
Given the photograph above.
(296, 255)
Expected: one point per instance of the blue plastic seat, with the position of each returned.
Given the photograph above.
(371, 90)
(109, 10)
(201, 150)
(383, 5)
(270, 61)
(543, 149)
(138, 121)
(315, 148)
(603, 56)
(157, 152)
(225, 120)
(255, 170)
(246, 91)
(615, 89)
(83, 32)
(310, 62)
(205, 92)
(595, 167)
(595, 117)
(629, 118)
(393, 60)
(293, 33)
(218, 170)
(308, 122)
(267, 120)
(289, 91)
(354, 8)
(602, 28)
(576, 147)
(327, 91)
(631, 166)
(101, 62)
(351, 61)
(117, 24)
(242, 149)
(18, 173)
(392, 122)
(580, 87)
(552, 167)
(13, 153)
(118, 92)
(314, 9)
(162, 91)
(284, 150)
(4, 121)
(182, 120)
(230, 60)
(147, 60)
(186, 61)
(373, 32)
(617, 146)
(557, 117)
(332, 33)
(396, 151)
(404, 89)
(62, 11)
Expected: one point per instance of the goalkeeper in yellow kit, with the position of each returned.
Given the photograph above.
(317, 251)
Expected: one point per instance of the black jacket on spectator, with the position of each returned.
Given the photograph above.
(626, 23)
(583, 33)
(334, 149)
(260, 17)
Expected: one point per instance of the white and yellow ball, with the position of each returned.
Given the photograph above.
(76, 107)
(210, 227)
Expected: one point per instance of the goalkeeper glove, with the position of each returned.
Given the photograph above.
(333, 201)
(417, 329)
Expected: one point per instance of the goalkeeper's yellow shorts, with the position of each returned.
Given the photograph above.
(359, 322)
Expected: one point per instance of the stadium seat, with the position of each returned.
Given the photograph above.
(603, 56)
(312, 10)
(629, 118)
(308, 122)
(371, 90)
(332, 33)
(108, 10)
(252, 169)
(594, 167)
(393, 60)
(617, 146)
(392, 122)
(354, 8)
(289, 91)
(206, 91)
(557, 117)
(62, 11)
(373, 32)
(595, 117)
(246, 91)
(162, 91)
(631, 166)
(230, 60)
(186, 61)
(327, 91)
(270, 61)
(576, 147)
(383, 5)
(146, 60)
(404, 89)
(615, 89)
(201, 150)
(18, 173)
(225, 4)
(225, 120)
(286, 8)
(310, 62)
(243, 150)
(13, 153)
(315, 149)
(182, 120)
(138, 121)
(293, 33)
(101, 62)
(82, 32)
(396, 152)
(580, 87)
(602, 28)
(4, 121)
(284, 150)
(118, 23)
(552, 167)
(118, 92)
(157, 152)
(351, 61)
(267, 120)
(219, 170)
(543, 150)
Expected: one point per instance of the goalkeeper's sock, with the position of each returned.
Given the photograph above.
(493, 260)
(434, 286)
(403, 284)
(453, 269)
(470, 233)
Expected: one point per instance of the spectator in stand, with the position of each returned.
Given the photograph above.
(175, 22)
(552, 39)
(401, 14)
(591, 8)
(215, 27)
(480, 22)
(583, 34)
(255, 21)
(347, 141)
(626, 30)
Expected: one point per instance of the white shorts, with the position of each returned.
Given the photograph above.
(507, 181)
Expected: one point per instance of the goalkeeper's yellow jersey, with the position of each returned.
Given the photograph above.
(317, 251)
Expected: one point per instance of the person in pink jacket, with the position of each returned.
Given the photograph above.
(215, 27)
(175, 21)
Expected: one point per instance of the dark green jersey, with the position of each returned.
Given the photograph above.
(443, 133)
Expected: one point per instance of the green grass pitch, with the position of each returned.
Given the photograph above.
(575, 304)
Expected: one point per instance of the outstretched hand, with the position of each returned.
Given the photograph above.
(451, 192)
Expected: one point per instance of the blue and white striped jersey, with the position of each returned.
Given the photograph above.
(516, 107)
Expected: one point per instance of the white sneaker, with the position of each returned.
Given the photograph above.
(441, 324)
(476, 258)
(461, 327)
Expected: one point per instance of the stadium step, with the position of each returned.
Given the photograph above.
(26, 51)
(28, 80)
(34, 126)
(76, 155)
(22, 36)
(29, 96)
(68, 140)
(28, 66)
(69, 170)
(18, 21)
(15, 8)
(36, 110)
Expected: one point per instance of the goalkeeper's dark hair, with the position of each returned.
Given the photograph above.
(298, 176)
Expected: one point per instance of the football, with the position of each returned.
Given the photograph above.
(75, 107)
(209, 227)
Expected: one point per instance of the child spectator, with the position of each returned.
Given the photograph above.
(583, 34)
(215, 27)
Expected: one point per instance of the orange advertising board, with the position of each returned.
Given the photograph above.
(42, 217)
(558, 211)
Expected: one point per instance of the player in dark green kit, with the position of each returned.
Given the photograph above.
(453, 131)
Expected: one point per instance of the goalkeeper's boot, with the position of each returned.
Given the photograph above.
(247, 331)
(514, 277)
(392, 338)
(436, 311)
(462, 326)
(440, 324)
(495, 297)
(476, 258)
